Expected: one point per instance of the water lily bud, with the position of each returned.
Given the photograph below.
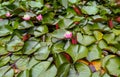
(39, 17)
(26, 17)
(77, 10)
(57, 26)
(110, 23)
(74, 40)
(118, 19)
(68, 35)
(8, 14)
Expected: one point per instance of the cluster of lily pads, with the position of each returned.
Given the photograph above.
(59, 38)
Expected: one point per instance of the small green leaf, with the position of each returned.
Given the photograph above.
(64, 3)
(113, 66)
(35, 4)
(51, 72)
(90, 10)
(96, 51)
(59, 33)
(22, 63)
(58, 47)
(25, 25)
(10, 73)
(31, 63)
(73, 1)
(3, 50)
(3, 70)
(39, 68)
(31, 46)
(65, 72)
(77, 52)
(65, 23)
(41, 30)
(83, 70)
(106, 75)
(15, 44)
(73, 72)
(105, 59)
(5, 30)
(102, 44)
(96, 74)
(24, 73)
(85, 39)
(42, 53)
(60, 59)
(110, 38)
(4, 60)
(116, 31)
(98, 35)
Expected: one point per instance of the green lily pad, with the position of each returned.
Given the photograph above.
(96, 51)
(15, 44)
(105, 59)
(24, 73)
(113, 66)
(42, 53)
(10, 73)
(35, 4)
(31, 46)
(32, 62)
(4, 60)
(41, 30)
(98, 35)
(58, 47)
(40, 68)
(83, 70)
(51, 72)
(90, 10)
(110, 38)
(59, 33)
(3, 70)
(60, 59)
(85, 39)
(106, 75)
(65, 23)
(22, 63)
(25, 25)
(61, 72)
(3, 50)
(77, 52)
(96, 74)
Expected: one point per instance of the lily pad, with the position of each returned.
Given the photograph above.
(113, 66)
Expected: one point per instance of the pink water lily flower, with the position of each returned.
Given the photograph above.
(68, 35)
(39, 17)
(8, 14)
(26, 17)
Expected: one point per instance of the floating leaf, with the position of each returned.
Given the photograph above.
(15, 44)
(90, 10)
(10, 73)
(98, 35)
(113, 66)
(59, 33)
(40, 68)
(4, 60)
(77, 52)
(83, 70)
(42, 53)
(96, 51)
(41, 30)
(85, 39)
